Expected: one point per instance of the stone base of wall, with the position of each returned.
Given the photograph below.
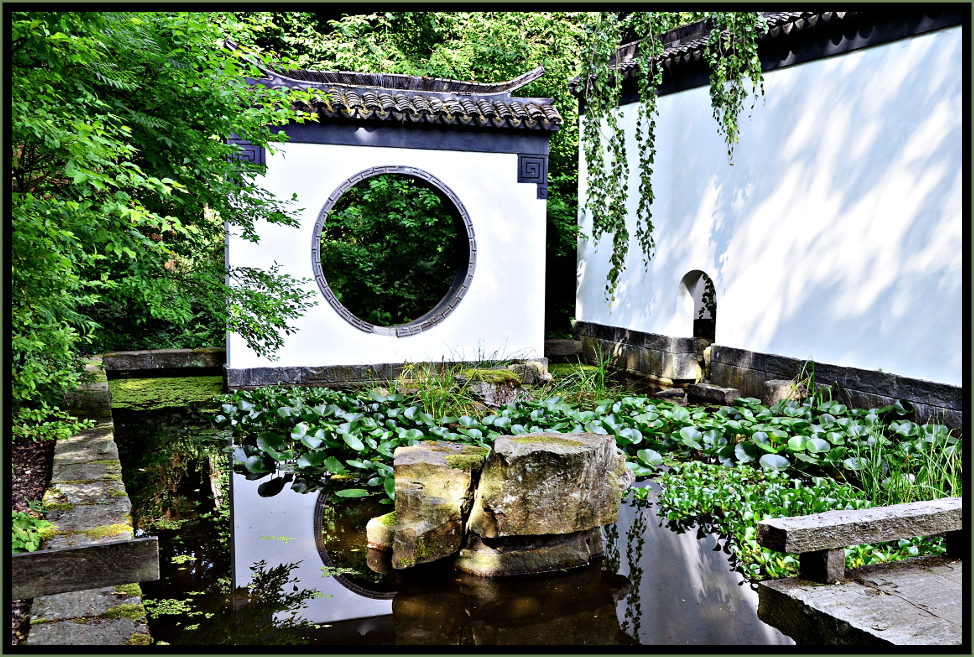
(748, 370)
(333, 376)
(164, 362)
(667, 360)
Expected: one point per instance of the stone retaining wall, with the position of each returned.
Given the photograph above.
(165, 359)
(748, 371)
(88, 504)
(670, 361)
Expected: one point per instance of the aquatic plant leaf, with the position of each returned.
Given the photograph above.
(467, 421)
(334, 466)
(818, 445)
(855, 463)
(352, 492)
(353, 441)
(650, 457)
(745, 452)
(312, 442)
(774, 462)
(311, 460)
(389, 483)
(796, 443)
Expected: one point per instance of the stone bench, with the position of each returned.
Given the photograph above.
(820, 538)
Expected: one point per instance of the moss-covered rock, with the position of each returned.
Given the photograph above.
(434, 489)
(548, 483)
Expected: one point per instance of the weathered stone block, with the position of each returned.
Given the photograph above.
(562, 348)
(434, 486)
(520, 555)
(494, 387)
(548, 483)
(777, 390)
(379, 531)
(710, 394)
(530, 372)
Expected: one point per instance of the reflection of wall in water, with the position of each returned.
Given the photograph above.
(683, 588)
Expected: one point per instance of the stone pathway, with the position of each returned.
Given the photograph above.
(88, 504)
(911, 602)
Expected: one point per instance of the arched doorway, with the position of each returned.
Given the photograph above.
(701, 289)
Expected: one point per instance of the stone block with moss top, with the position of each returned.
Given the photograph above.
(379, 531)
(494, 387)
(434, 490)
(549, 483)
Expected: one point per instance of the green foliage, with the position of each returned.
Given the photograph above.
(733, 501)
(390, 249)
(29, 530)
(121, 181)
(732, 56)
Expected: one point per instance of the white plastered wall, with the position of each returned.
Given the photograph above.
(837, 233)
(502, 313)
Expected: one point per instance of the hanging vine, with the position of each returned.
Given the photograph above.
(731, 52)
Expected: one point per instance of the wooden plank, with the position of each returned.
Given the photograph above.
(46, 572)
(835, 529)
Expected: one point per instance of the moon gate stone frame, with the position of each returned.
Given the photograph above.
(461, 282)
(475, 144)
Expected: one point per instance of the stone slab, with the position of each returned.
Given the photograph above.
(85, 471)
(708, 393)
(91, 602)
(90, 448)
(912, 602)
(87, 632)
(836, 529)
(155, 359)
(87, 516)
(89, 493)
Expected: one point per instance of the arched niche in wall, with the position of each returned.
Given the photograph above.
(700, 297)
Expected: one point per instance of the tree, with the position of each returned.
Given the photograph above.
(122, 179)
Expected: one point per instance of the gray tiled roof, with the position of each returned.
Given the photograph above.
(413, 99)
(688, 43)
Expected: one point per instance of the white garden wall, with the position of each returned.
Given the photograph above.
(837, 233)
(501, 315)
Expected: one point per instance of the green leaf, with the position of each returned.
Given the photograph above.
(650, 457)
(353, 441)
(352, 492)
(774, 462)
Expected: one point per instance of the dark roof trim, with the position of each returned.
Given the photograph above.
(791, 38)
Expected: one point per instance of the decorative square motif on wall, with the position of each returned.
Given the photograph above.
(534, 169)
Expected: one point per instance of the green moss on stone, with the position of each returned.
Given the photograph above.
(467, 462)
(130, 590)
(388, 520)
(164, 392)
(111, 477)
(548, 440)
(106, 530)
(58, 506)
(492, 376)
(132, 611)
(138, 639)
(117, 493)
(38, 621)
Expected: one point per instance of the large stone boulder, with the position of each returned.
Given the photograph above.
(434, 490)
(493, 387)
(549, 483)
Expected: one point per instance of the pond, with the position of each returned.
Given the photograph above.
(242, 569)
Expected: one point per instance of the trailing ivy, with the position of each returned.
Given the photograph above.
(731, 53)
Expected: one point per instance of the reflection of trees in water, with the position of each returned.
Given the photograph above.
(635, 540)
(610, 559)
(266, 612)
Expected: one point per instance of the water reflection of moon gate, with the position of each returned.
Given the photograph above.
(346, 581)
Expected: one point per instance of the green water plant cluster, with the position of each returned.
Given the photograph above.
(313, 438)
(732, 501)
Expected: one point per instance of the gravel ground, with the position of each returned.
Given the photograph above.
(31, 474)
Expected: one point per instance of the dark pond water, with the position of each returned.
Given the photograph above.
(290, 569)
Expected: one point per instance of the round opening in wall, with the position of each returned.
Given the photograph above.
(393, 250)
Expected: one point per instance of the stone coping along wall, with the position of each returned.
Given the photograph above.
(667, 360)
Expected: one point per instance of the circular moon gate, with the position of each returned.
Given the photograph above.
(461, 281)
